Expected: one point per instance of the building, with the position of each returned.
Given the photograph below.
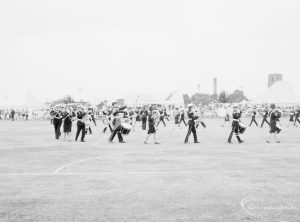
(273, 78)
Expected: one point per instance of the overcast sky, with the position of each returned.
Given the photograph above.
(111, 48)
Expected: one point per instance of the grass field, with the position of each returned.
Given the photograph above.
(42, 179)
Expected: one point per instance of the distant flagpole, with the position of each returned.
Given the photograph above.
(137, 99)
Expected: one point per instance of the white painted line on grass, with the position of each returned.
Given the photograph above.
(103, 157)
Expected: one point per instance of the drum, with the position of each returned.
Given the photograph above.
(125, 128)
(242, 127)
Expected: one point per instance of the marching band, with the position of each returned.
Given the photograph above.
(121, 121)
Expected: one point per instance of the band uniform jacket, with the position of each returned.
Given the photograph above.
(192, 118)
(236, 115)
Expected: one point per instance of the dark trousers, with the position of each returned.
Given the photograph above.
(192, 129)
(116, 131)
(144, 123)
(105, 128)
(202, 123)
(94, 120)
(90, 130)
(161, 120)
(80, 128)
(57, 126)
(235, 129)
(253, 120)
(263, 121)
(297, 120)
(182, 120)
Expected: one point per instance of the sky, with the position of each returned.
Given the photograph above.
(112, 48)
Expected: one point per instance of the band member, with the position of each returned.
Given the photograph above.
(132, 118)
(253, 117)
(161, 118)
(176, 115)
(236, 115)
(297, 114)
(265, 116)
(106, 118)
(81, 117)
(92, 116)
(27, 115)
(166, 115)
(182, 118)
(88, 123)
(12, 114)
(202, 123)
(274, 124)
(52, 114)
(118, 115)
(144, 115)
(292, 117)
(191, 124)
(57, 121)
(68, 116)
(226, 118)
(199, 113)
(151, 129)
(138, 115)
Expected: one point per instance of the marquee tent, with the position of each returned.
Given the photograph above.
(32, 102)
(174, 98)
(281, 92)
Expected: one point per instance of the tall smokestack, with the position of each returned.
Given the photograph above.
(198, 88)
(215, 86)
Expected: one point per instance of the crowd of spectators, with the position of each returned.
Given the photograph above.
(215, 110)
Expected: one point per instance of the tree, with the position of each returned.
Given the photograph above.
(186, 99)
(68, 99)
(65, 100)
(237, 96)
(223, 97)
(202, 98)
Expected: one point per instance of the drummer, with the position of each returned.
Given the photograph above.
(236, 115)
(118, 113)
(81, 119)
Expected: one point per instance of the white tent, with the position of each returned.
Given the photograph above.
(174, 98)
(244, 102)
(6, 102)
(280, 92)
(138, 98)
(31, 101)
